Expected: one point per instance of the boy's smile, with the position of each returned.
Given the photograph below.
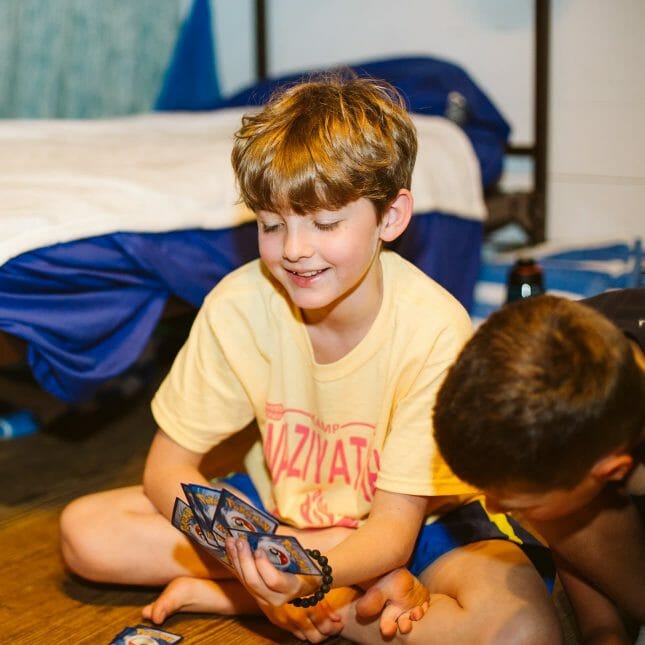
(325, 259)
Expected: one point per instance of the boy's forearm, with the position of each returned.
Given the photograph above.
(367, 555)
(385, 542)
(167, 466)
(598, 619)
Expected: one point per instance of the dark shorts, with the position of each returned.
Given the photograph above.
(465, 525)
(471, 523)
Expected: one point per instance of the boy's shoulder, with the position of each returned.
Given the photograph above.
(414, 287)
(419, 311)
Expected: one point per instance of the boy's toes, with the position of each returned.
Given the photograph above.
(155, 612)
(171, 600)
(371, 603)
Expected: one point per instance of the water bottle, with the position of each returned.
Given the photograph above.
(456, 108)
(18, 424)
(525, 279)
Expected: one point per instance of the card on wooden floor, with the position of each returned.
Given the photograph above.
(234, 513)
(184, 519)
(283, 551)
(144, 635)
(203, 502)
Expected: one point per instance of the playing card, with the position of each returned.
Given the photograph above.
(283, 551)
(203, 502)
(184, 519)
(234, 513)
(144, 635)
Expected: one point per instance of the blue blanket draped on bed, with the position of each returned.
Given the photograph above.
(88, 308)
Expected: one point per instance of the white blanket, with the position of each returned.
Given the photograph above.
(62, 180)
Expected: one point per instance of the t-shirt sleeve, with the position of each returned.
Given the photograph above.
(411, 462)
(202, 400)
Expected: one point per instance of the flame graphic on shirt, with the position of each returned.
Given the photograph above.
(314, 510)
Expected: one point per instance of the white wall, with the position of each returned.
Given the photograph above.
(310, 33)
(597, 124)
(234, 32)
(596, 180)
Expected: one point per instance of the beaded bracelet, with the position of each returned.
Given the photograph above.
(327, 579)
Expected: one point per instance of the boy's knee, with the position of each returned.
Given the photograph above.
(77, 537)
(529, 625)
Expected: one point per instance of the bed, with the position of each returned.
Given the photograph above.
(106, 222)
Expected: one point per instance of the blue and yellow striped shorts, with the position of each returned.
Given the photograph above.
(472, 523)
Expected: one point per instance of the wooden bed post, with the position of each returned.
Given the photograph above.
(528, 209)
(260, 40)
(542, 28)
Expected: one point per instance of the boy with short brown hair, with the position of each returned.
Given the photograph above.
(336, 348)
(544, 410)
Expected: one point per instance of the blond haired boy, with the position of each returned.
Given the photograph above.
(336, 349)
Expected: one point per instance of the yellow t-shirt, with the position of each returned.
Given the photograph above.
(330, 433)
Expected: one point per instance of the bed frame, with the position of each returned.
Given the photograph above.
(527, 209)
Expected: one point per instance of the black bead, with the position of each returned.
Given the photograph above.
(327, 580)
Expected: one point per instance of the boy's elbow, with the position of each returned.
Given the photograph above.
(404, 558)
(147, 481)
(152, 483)
(399, 553)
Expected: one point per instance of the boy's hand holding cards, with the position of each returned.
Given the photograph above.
(284, 551)
(213, 514)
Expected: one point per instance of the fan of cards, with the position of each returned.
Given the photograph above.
(211, 515)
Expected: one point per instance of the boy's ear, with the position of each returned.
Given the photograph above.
(613, 467)
(397, 216)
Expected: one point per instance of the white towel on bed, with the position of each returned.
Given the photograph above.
(62, 180)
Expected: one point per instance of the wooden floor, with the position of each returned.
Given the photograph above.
(78, 452)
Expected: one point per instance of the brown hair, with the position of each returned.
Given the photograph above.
(324, 143)
(544, 388)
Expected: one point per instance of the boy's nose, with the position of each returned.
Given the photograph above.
(296, 245)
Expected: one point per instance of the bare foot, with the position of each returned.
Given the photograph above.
(399, 597)
(200, 595)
